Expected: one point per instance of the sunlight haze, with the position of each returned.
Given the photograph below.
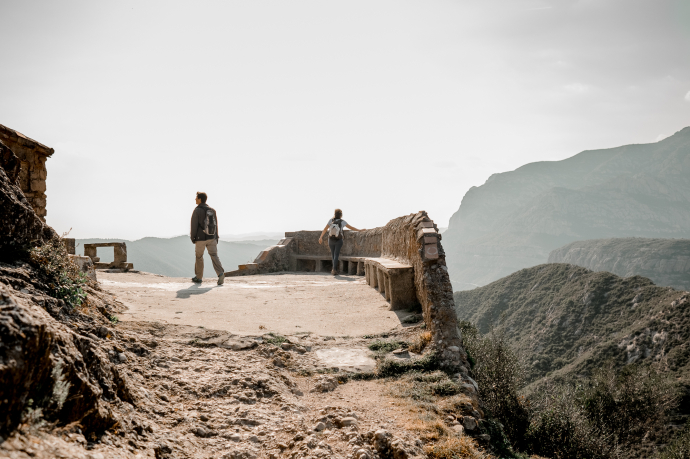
(282, 111)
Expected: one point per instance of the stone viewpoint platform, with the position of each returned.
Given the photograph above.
(403, 261)
(287, 304)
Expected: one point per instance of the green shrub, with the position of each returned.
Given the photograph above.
(604, 416)
(387, 367)
(62, 276)
(679, 448)
(499, 373)
(559, 428)
(627, 404)
(275, 339)
(385, 347)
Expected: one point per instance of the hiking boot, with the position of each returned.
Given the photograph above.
(196, 280)
(333, 272)
(221, 279)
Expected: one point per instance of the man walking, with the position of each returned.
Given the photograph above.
(204, 235)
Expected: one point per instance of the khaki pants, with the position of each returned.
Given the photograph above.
(212, 246)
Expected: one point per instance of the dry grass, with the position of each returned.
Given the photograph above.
(427, 412)
(420, 342)
(455, 448)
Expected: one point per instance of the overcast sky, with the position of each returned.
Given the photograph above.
(282, 111)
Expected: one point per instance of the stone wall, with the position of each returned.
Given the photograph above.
(19, 224)
(412, 240)
(32, 160)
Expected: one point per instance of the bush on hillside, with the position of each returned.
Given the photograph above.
(602, 417)
(62, 276)
(679, 448)
(628, 404)
(559, 428)
(500, 374)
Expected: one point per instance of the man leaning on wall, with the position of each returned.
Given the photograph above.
(204, 234)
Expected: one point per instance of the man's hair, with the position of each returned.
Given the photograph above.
(201, 195)
(338, 213)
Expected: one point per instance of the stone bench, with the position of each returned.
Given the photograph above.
(119, 251)
(394, 280)
(323, 263)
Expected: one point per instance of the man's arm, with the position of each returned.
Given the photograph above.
(195, 225)
(353, 228)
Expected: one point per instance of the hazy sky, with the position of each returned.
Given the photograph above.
(283, 110)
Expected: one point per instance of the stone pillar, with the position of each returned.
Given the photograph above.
(381, 281)
(90, 251)
(352, 267)
(120, 252)
(318, 266)
(360, 268)
(387, 283)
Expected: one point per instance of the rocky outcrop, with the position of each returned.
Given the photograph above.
(665, 261)
(51, 365)
(516, 218)
(46, 367)
(19, 224)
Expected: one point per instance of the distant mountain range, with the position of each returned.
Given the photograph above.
(516, 218)
(174, 257)
(665, 261)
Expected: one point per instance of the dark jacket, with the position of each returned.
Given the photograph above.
(198, 218)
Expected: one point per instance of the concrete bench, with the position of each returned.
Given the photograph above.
(394, 280)
(119, 252)
(324, 263)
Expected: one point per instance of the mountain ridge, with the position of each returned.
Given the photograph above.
(516, 218)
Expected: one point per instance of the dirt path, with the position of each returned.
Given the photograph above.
(286, 304)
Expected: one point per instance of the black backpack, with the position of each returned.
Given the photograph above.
(210, 225)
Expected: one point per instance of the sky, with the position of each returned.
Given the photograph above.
(282, 111)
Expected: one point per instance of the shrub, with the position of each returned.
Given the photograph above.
(61, 275)
(628, 404)
(275, 339)
(603, 417)
(559, 428)
(385, 347)
(679, 448)
(499, 373)
(387, 367)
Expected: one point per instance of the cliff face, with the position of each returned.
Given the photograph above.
(665, 261)
(516, 218)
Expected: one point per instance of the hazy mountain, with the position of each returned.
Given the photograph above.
(665, 261)
(175, 256)
(516, 218)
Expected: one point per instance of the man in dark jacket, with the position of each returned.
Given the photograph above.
(204, 235)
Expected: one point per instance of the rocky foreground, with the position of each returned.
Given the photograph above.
(164, 391)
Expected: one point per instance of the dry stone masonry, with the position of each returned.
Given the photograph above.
(119, 251)
(403, 260)
(32, 157)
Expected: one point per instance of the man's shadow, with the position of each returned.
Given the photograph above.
(195, 289)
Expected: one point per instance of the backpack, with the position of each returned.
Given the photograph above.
(335, 231)
(210, 225)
